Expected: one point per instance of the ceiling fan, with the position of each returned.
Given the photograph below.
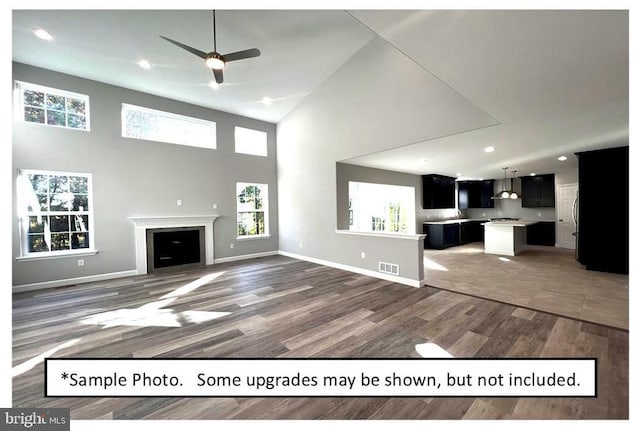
(214, 60)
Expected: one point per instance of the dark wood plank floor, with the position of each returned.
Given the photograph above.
(282, 307)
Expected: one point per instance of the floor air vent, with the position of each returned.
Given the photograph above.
(389, 268)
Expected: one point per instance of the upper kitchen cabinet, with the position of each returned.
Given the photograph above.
(603, 210)
(438, 191)
(475, 194)
(538, 191)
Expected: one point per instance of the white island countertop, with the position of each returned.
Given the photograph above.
(511, 222)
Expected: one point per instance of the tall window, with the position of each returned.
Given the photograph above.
(249, 141)
(381, 208)
(149, 124)
(50, 106)
(253, 210)
(55, 212)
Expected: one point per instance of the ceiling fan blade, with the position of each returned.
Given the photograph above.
(186, 47)
(241, 55)
(217, 74)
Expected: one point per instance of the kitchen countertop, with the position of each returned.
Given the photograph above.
(511, 223)
(462, 220)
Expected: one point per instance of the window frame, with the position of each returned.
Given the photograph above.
(19, 105)
(126, 107)
(388, 217)
(240, 185)
(258, 154)
(24, 213)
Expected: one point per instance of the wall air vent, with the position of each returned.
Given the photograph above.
(389, 268)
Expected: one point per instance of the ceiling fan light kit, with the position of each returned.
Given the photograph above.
(214, 60)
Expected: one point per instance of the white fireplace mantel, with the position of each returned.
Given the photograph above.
(141, 225)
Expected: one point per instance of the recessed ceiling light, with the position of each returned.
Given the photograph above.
(144, 64)
(533, 174)
(458, 175)
(562, 158)
(43, 34)
(489, 150)
(214, 85)
(266, 101)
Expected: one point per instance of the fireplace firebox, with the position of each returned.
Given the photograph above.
(169, 248)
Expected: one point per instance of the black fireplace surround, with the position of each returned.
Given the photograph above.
(175, 247)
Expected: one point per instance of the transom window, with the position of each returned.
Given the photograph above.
(381, 208)
(249, 141)
(50, 106)
(55, 211)
(252, 209)
(153, 125)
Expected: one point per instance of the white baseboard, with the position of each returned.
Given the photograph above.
(68, 281)
(247, 256)
(370, 273)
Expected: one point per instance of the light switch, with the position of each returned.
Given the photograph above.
(215, 206)
(363, 255)
(179, 202)
(80, 262)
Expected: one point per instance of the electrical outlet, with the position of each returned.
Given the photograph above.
(300, 245)
(179, 202)
(215, 206)
(80, 262)
(232, 245)
(483, 214)
(363, 255)
(539, 214)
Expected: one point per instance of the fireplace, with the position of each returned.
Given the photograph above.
(167, 223)
(175, 247)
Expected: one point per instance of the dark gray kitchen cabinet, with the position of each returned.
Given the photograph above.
(542, 233)
(440, 236)
(438, 191)
(471, 231)
(538, 191)
(603, 210)
(475, 194)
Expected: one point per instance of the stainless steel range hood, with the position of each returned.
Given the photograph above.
(505, 193)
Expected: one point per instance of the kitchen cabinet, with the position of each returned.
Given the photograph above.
(449, 234)
(438, 191)
(603, 209)
(471, 231)
(542, 233)
(440, 236)
(475, 194)
(538, 191)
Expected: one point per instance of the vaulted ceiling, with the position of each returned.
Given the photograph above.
(547, 83)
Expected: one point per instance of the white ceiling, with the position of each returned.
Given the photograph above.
(299, 50)
(555, 82)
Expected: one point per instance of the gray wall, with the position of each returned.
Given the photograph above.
(359, 110)
(134, 177)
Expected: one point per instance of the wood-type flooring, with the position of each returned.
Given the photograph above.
(282, 307)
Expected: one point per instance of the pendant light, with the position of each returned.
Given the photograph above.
(513, 194)
(504, 193)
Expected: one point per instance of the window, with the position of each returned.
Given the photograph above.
(152, 125)
(253, 210)
(249, 141)
(55, 212)
(381, 208)
(43, 105)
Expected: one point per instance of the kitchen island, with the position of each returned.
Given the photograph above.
(506, 237)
